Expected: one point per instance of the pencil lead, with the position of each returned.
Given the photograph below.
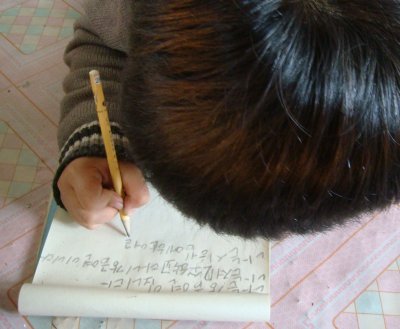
(126, 228)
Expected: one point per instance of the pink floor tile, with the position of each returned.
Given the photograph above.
(22, 20)
(2, 201)
(257, 325)
(28, 211)
(346, 321)
(5, 4)
(45, 90)
(31, 4)
(389, 281)
(46, 40)
(11, 141)
(60, 5)
(16, 39)
(54, 21)
(30, 124)
(43, 175)
(392, 322)
(6, 171)
(4, 83)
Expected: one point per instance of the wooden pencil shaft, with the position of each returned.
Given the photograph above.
(105, 128)
(106, 133)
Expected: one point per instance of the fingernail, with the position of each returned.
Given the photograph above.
(117, 203)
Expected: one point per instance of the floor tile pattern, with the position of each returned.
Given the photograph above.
(345, 279)
(378, 307)
(21, 171)
(36, 24)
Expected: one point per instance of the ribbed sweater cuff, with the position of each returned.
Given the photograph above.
(86, 141)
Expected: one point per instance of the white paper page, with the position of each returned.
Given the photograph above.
(166, 256)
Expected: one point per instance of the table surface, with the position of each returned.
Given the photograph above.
(346, 278)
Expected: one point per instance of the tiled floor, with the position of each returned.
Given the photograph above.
(21, 171)
(378, 307)
(33, 36)
(347, 279)
(36, 24)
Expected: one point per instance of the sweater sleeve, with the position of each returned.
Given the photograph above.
(100, 42)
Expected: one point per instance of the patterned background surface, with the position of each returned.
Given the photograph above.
(21, 171)
(36, 24)
(347, 278)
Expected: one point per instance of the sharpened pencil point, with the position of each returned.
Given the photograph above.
(125, 222)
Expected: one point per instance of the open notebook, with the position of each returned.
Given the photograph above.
(169, 269)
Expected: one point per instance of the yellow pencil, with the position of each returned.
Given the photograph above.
(108, 141)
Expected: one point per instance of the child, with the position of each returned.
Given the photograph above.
(258, 118)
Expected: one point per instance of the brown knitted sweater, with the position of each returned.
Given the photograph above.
(100, 42)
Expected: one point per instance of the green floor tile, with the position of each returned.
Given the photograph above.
(45, 3)
(11, 12)
(7, 20)
(27, 158)
(66, 32)
(9, 156)
(4, 186)
(27, 48)
(34, 30)
(72, 14)
(5, 28)
(18, 189)
(369, 302)
(42, 12)
(3, 127)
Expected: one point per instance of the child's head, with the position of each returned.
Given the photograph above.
(267, 117)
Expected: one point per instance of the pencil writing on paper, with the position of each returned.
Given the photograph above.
(171, 267)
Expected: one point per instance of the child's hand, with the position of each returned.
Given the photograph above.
(87, 191)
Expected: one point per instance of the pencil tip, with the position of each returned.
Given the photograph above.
(126, 228)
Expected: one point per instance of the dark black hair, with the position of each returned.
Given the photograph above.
(262, 118)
